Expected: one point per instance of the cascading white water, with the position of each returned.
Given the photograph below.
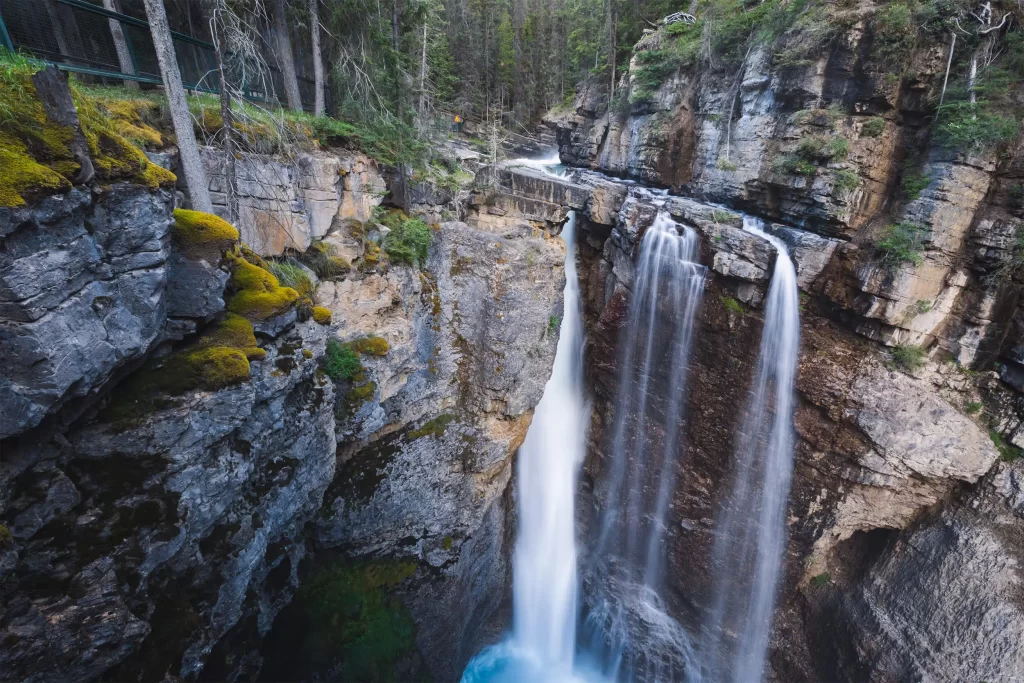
(542, 644)
(751, 534)
(623, 602)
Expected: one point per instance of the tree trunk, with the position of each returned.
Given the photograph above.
(423, 72)
(227, 131)
(285, 57)
(124, 55)
(188, 148)
(612, 47)
(319, 108)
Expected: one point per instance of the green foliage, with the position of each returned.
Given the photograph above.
(725, 165)
(1007, 451)
(290, 273)
(340, 361)
(435, 427)
(913, 182)
(732, 305)
(370, 346)
(901, 243)
(408, 240)
(811, 152)
(553, 323)
(873, 127)
(821, 580)
(907, 358)
(894, 33)
(322, 258)
(845, 181)
(972, 407)
(353, 618)
(791, 163)
(5, 536)
(967, 127)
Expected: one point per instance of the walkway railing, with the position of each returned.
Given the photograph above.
(81, 37)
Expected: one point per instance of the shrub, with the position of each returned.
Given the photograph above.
(341, 361)
(791, 163)
(901, 243)
(913, 183)
(894, 33)
(732, 305)
(972, 407)
(873, 127)
(966, 127)
(907, 358)
(821, 580)
(322, 258)
(844, 181)
(553, 323)
(408, 240)
(1007, 451)
(725, 165)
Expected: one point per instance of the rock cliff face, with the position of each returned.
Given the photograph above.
(180, 458)
(908, 381)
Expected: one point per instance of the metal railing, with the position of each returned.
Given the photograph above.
(79, 37)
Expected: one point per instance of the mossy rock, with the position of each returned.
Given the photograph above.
(202, 235)
(371, 346)
(5, 536)
(36, 157)
(218, 359)
(322, 315)
(259, 295)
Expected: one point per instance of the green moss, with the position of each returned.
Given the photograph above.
(435, 427)
(371, 346)
(218, 358)
(821, 580)
(340, 361)
(5, 536)
(22, 178)
(323, 259)
(844, 181)
(202, 235)
(258, 293)
(352, 618)
(972, 407)
(1007, 451)
(322, 315)
(732, 305)
(447, 542)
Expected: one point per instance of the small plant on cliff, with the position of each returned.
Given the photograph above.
(873, 127)
(845, 181)
(725, 165)
(5, 536)
(553, 323)
(972, 407)
(894, 33)
(1007, 451)
(965, 126)
(821, 580)
(341, 361)
(290, 274)
(901, 243)
(914, 182)
(408, 240)
(732, 305)
(907, 357)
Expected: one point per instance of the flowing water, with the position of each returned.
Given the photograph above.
(751, 534)
(630, 633)
(543, 640)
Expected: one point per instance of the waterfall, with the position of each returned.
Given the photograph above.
(629, 630)
(751, 533)
(543, 639)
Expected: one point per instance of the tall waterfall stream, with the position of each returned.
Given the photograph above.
(626, 631)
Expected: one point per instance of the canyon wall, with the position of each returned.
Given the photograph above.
(904, 522)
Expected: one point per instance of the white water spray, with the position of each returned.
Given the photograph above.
(543, 640)
(751, 533)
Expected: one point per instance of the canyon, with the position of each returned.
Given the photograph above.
(294, 523)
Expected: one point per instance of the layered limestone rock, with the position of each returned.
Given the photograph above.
(82, 294)
(285, 203)
(426, 452)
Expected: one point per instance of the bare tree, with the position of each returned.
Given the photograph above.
(188, 148)
(285, 57)
(124, 55)
(227, 131)
(318, 65)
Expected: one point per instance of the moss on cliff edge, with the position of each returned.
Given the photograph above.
(35, 153)
(258, 294)
(202, 235)
(218, 359)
